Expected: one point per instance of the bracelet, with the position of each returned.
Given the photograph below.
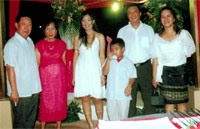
(103, 76)
(76, 50)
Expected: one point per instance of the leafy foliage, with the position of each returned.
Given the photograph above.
(158, 109)
(72, 112)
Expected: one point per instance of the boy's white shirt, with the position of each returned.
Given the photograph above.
(118, 78)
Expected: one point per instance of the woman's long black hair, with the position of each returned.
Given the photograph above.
(176, 27)
(82, 33)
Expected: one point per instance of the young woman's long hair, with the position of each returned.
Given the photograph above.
(82, 33)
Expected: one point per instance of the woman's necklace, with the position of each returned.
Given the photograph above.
(50, 45)
(89, 45)
(90, 38)
(169, 36)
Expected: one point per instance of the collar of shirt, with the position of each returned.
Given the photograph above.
(118, 60)
(139, 27)
(21, 39)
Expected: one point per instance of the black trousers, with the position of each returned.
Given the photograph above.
(143, 83)
(25, 112)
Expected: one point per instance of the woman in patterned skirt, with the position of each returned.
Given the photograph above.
(170, 49)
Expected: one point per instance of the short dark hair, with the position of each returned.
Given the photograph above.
(118, 41)
(131, 5)
(20, 15)
(48, 21)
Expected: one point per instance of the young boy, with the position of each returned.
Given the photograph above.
(121, 74)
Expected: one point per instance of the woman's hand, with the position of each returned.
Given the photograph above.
(103, 80)
(155, 84)
(73, 81)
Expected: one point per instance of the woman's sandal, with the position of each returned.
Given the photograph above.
(91, 126)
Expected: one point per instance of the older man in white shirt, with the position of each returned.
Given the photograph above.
(23, 82)
(138, 38)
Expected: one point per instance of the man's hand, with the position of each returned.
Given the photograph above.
(12, 80)
(14, 96)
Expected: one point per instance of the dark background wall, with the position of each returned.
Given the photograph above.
(108, 22)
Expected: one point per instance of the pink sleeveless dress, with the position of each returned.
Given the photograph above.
(53, 98)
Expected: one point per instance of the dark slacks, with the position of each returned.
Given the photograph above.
(143, 83)
(25, 112)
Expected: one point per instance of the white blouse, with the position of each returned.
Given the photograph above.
(172, 53)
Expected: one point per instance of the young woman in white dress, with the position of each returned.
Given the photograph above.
(89, 56)
(171, 47)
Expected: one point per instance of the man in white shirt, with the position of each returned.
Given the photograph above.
(23, 82)
(138, 37)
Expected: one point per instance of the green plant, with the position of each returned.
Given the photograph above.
(158, 109)
(139, 111)
(72, 112)
(67, 13)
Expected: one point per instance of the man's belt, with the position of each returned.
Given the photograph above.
(140, 64)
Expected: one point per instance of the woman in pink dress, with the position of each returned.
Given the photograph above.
(50, 53)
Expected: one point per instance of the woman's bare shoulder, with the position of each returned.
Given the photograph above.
(99, 35)
(76, 36)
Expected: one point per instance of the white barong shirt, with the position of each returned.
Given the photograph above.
(118, 78)
(20, 54)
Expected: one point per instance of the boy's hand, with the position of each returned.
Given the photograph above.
(127, 90)
(110, 55)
